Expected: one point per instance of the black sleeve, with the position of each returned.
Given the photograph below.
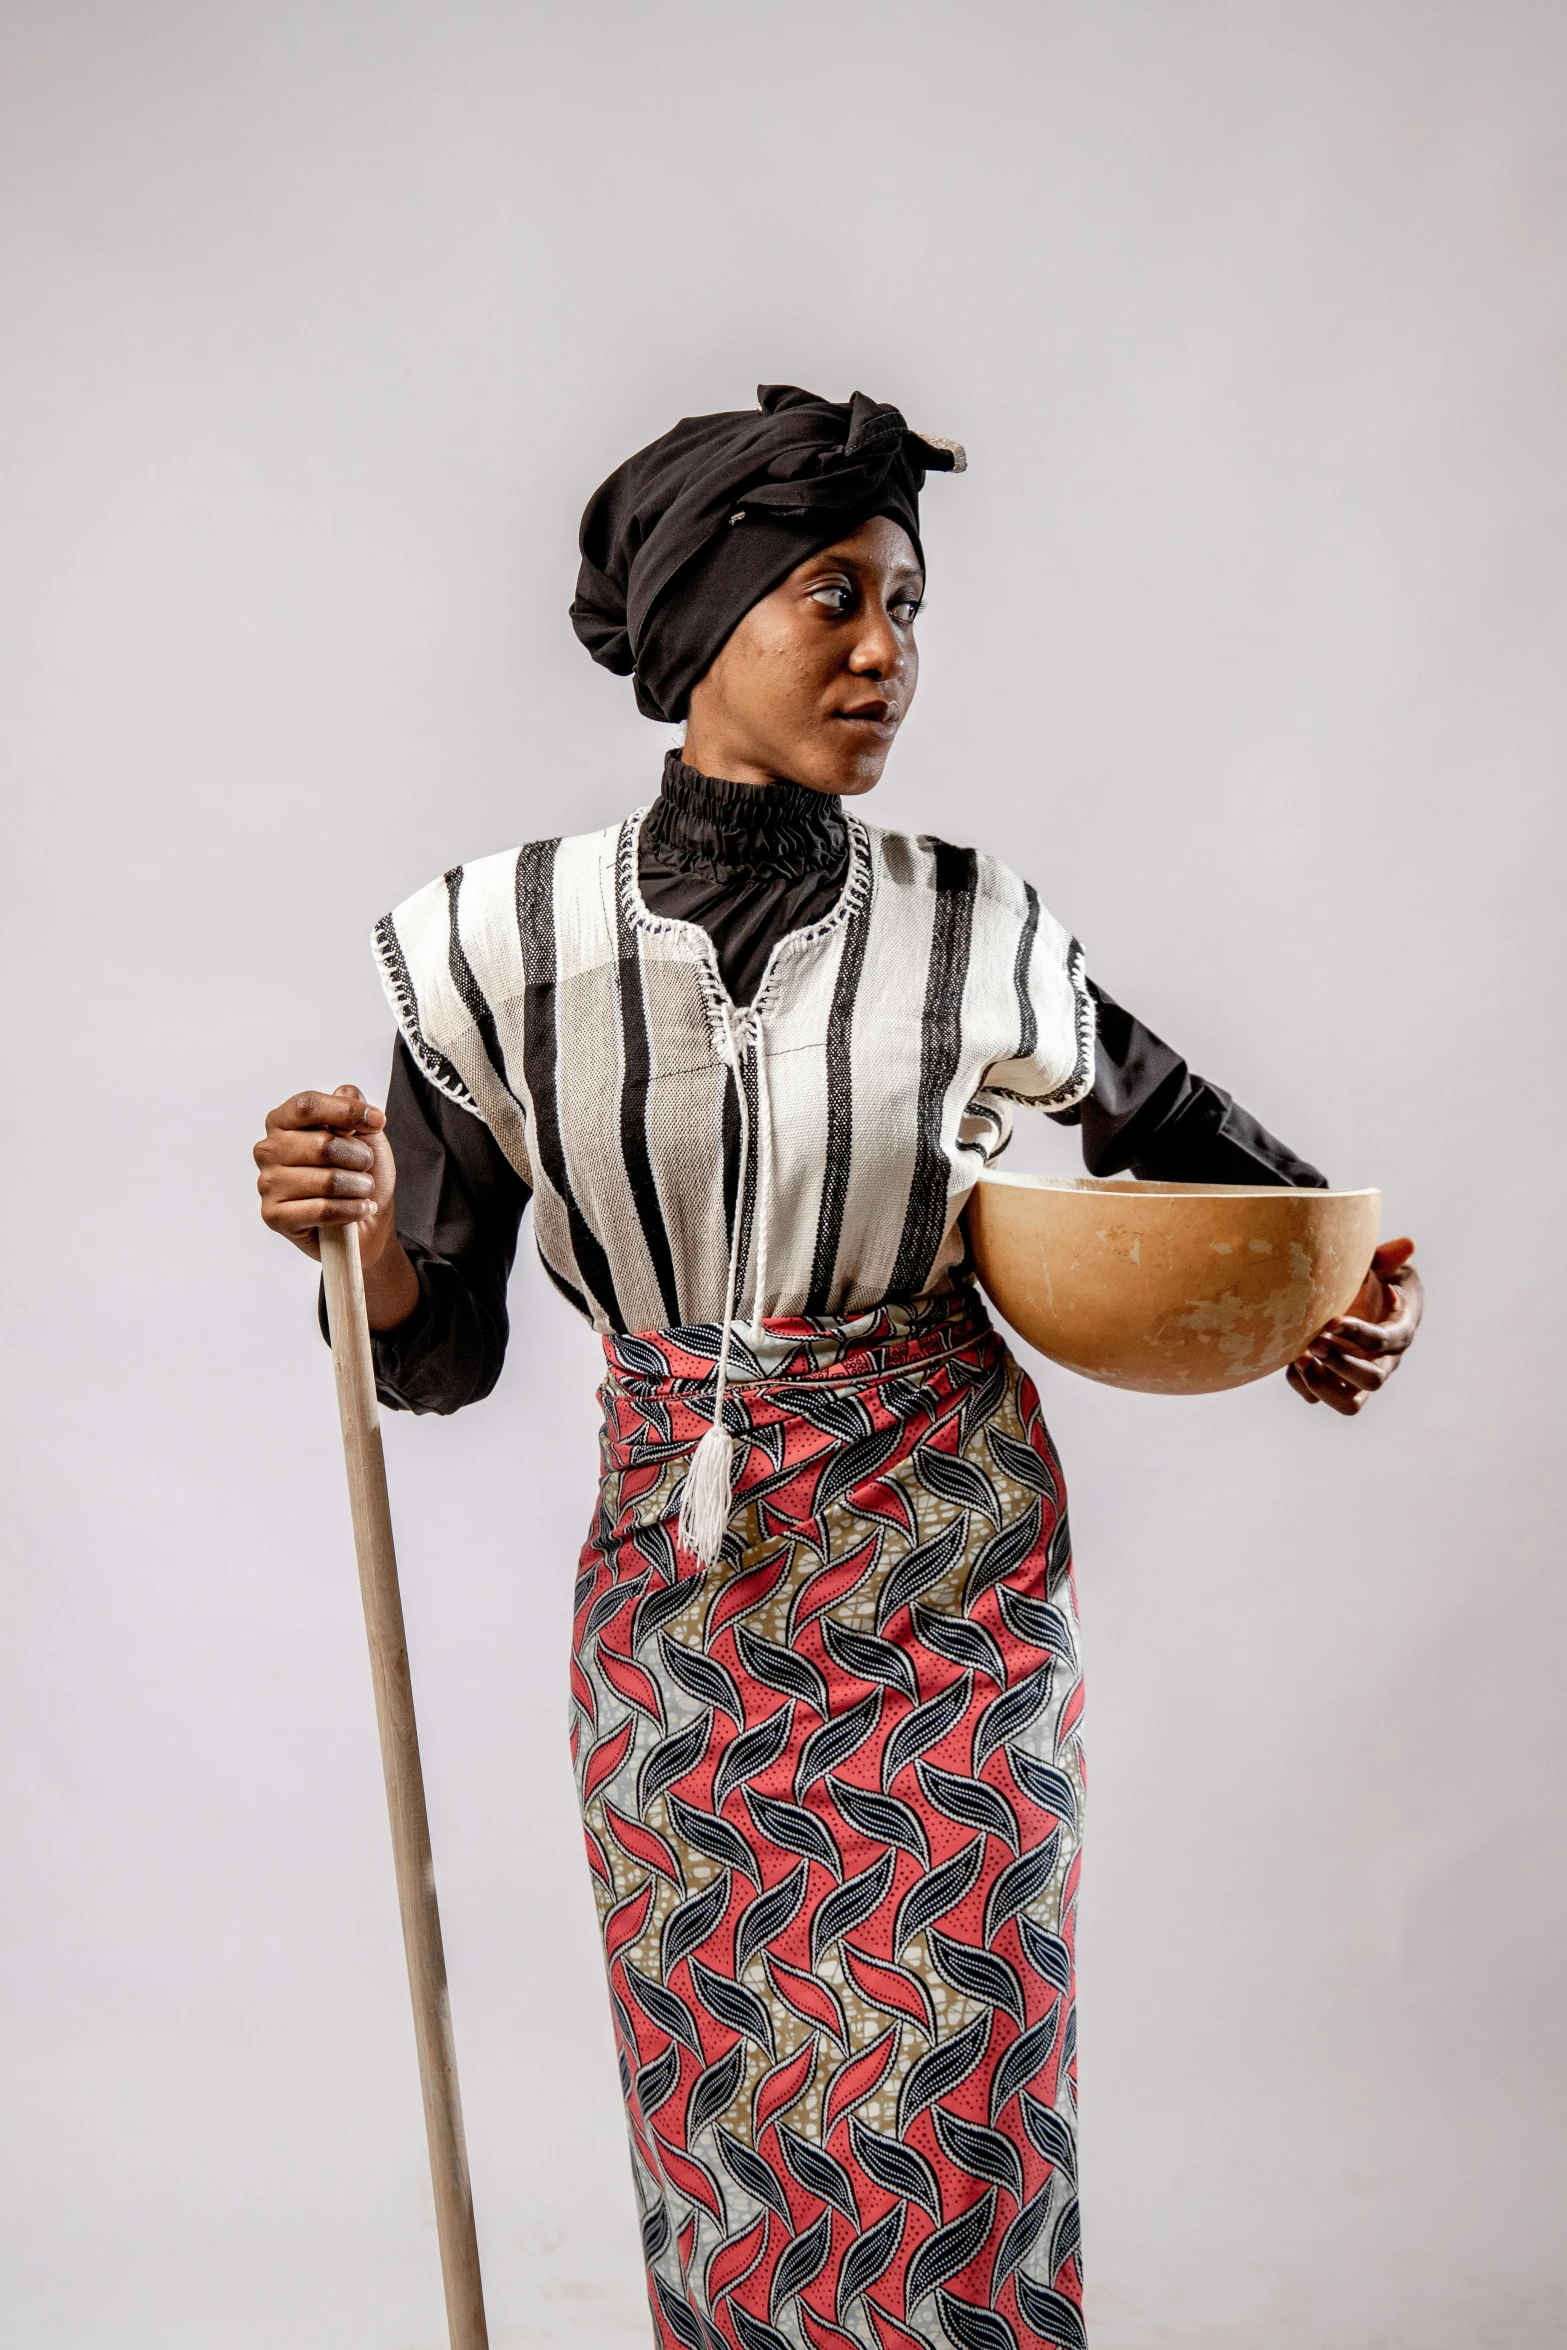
(459, 1206)
(1149, 1116)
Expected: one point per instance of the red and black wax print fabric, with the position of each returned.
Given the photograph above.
(832, 1791)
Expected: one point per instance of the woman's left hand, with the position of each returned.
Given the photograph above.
(1347, 1362)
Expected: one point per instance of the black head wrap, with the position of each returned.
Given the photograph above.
(693, 530)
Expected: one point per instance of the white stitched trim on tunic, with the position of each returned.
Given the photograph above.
(399, 988)
(856, 890)
(1081, 1080)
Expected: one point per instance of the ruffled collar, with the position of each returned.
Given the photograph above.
(736, 831)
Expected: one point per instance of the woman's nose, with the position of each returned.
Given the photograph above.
(877, 651)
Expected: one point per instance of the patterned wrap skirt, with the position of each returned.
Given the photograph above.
(832, 1793)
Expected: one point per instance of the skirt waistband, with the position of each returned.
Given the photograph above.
(799, 1348)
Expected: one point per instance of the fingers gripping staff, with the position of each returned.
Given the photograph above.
(394, 1706)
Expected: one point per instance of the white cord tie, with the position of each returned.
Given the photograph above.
(708, 1494)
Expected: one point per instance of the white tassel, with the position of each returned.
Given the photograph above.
(708, 1494)
(704, 1503)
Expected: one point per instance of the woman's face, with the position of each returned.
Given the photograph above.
(818, 677)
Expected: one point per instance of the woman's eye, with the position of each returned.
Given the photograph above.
(834, 595)
(906, 611)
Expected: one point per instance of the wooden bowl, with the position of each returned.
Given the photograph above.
(1173, 1288)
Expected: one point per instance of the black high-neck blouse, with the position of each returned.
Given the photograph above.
(750, 863)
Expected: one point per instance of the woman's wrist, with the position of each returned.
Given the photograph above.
(391, 1287)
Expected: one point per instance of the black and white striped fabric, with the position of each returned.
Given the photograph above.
(880, 1060)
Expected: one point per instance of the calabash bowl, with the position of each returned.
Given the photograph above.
(1173, 1288)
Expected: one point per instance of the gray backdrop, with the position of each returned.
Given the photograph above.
(1244, 641)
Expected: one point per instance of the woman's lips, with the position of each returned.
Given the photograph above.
(880, 715)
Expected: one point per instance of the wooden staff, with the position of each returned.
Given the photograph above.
(394, 1709)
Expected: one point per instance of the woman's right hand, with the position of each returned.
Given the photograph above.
(325, 1159)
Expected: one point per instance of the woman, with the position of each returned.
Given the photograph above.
(747, 1056)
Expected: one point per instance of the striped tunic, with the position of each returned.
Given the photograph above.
(844, 1115)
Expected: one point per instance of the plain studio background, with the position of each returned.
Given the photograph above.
(1244, 642)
